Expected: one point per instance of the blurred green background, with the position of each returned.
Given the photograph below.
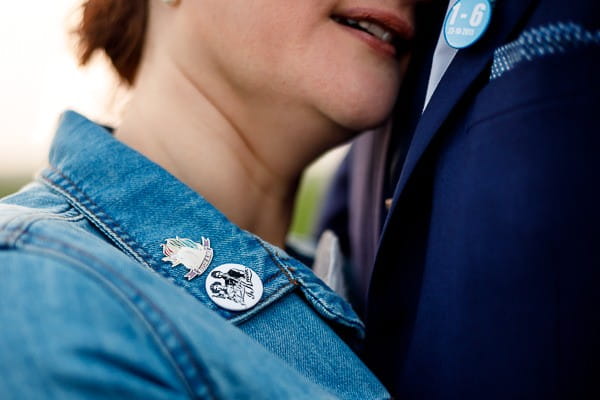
(310, 195)
(9, 185)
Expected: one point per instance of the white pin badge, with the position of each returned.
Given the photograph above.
(234, 287)
(466, 22)
(196, 257)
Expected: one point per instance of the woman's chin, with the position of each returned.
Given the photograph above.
(365, 101)
(362, 107)
(364, 117)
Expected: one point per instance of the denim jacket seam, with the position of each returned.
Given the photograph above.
(283, 290)
(354, 322)
(29, 224)
(104, 222)
(137, 302)
(30, 212)
(99, 218)
(271, 279)
(299, 282)
(26, 220)
(276, 295)
(112, 229)
(282, 268)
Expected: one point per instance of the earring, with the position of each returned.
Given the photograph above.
(171, 2)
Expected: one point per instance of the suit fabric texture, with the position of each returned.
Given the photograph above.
(486, 275)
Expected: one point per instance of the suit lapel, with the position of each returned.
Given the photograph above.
(395, 284)
(466, 67)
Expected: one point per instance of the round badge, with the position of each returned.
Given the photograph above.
(234, 287)
(466, 22)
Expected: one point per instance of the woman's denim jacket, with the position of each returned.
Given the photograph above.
(89, 308)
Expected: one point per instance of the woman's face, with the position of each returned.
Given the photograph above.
(339, 59)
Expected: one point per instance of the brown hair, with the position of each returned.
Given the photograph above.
(117, 28)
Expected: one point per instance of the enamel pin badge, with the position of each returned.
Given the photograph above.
(196, 257)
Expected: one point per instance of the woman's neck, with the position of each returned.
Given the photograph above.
(250, 174)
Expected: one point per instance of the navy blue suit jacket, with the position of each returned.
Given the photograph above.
(486, 277)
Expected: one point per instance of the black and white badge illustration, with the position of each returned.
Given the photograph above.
(234, 287)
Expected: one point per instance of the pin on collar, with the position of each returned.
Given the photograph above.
(234, 287)
(196, 257)
(466, 22)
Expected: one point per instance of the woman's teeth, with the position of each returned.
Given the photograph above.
(372, 28)
(376, 30)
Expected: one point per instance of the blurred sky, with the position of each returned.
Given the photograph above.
(39, 78)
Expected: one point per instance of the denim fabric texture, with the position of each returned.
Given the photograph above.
(89, 309)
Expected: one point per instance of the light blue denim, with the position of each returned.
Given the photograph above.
(89, 310)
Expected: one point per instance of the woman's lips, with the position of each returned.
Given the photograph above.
(374, 42)
(385, 31)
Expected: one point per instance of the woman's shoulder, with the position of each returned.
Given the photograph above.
(37, 220)
(81, 319)
(49, 252)
(63, 325)
(55, 267)
(42, 233)
(68, 311)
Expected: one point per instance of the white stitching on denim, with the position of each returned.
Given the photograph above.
(24, 221)
(123, 241)
(99, 223)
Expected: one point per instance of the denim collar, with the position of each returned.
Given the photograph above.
(138, 205)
